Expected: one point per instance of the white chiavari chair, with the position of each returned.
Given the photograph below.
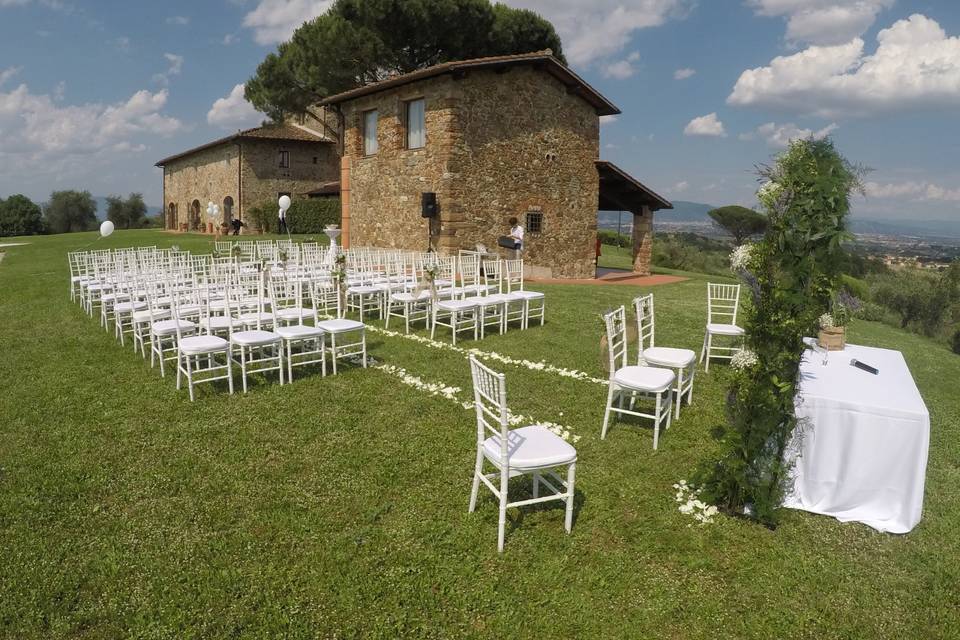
(303, 344)
(723, 302)
(532, 450)
(259, 350)
(201, 357)
(634, 382)
(534, 302)
(683, 362)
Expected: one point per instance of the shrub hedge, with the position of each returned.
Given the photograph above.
(309, 215)
(312, 215)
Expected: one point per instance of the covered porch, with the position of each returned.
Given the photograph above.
(619, 191)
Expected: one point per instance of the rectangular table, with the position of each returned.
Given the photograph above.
(861, 447)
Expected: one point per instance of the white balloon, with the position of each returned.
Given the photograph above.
(284, 203)
(106, 228)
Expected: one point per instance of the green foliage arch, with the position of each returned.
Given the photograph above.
(791, 276)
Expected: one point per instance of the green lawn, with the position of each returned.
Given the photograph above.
(613, 257)
(337, 507)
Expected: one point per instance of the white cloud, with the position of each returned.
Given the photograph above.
(228, 39)
(602, 28)
(680, 187)
(779, 136)
(233, 111)
(621, 69)
(8, 73)
(915, 66)
(123, 44)
(823, 22)
(683, 74)
(178, 20)
(607, 120)
(708, 125)
(36, 130)
(274, 21)
(174, 68)
(913, 190)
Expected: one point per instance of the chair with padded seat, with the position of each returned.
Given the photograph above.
(259, 350)
(723, 302)
(201, 357)
(683, 362)
(634, 382)
(532, 450)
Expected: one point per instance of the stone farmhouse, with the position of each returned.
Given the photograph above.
(492, 138)
(485, 139)
(246, 169)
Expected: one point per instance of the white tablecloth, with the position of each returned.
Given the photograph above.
(861, 449)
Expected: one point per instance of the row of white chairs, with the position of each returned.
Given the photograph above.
(466, 295)
(209, 315)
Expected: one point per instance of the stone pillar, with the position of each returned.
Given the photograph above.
(642, 240)
(345, 202)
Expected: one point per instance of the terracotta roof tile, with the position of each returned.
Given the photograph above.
(285, 131)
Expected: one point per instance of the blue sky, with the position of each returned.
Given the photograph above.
(93, 93)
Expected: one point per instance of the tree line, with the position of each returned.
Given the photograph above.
(69, 211)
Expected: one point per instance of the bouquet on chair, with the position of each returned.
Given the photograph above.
(428, 282)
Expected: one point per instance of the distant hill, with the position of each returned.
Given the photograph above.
(928, 229)
(682, 212)
(695, 213)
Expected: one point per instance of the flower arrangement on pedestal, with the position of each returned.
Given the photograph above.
(791, 274)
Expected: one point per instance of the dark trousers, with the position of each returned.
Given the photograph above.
(282, 226)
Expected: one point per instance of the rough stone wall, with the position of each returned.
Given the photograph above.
(498, 145)
(385, 188)
(527, 145)
(263, 178)
(208, 175)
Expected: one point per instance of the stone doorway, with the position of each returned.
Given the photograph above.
(195, 215)
(227, 210)
(171, 216)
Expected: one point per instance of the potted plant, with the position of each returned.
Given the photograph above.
(833, 327)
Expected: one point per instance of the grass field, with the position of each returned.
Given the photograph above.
(613, 257)
(337, 506)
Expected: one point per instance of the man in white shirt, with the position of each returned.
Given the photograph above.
(282, 222)
(516, 232)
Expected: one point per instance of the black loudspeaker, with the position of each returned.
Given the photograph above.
(428, 205)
